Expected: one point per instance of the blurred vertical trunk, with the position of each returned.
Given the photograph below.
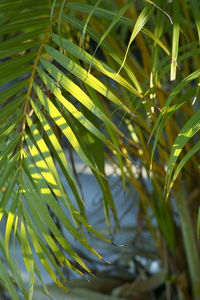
(190, 243)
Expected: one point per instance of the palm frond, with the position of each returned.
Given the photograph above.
(104, 87)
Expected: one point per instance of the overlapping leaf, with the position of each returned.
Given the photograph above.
(48, 95)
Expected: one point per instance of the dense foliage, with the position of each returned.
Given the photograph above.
(113, 81)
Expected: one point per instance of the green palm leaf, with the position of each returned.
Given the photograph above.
(56, 96)
(186, 133)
